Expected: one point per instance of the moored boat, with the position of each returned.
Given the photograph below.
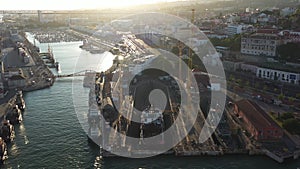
(57, 67)
(20, 102)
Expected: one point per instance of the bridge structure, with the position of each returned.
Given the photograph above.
(80, 73)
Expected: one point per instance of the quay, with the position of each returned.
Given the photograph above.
(10, 115)
(23, 70)
(49, 56)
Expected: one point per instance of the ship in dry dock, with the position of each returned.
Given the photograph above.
(20, 102)
(109, 91)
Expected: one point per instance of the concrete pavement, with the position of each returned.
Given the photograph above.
(12, 59)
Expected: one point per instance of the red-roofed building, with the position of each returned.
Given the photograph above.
(290, 36)
(268, 31)
(258, 123)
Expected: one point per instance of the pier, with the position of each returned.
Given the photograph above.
(80, 73)
(49, 56)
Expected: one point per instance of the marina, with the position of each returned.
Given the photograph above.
(54, 36)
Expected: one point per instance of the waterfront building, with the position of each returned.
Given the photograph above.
(249, 67)
(260, 44)
(280, 75)
(231, 65)
(257, 122)
(16, 81)
(277, 72)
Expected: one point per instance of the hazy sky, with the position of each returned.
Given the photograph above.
(69, 4)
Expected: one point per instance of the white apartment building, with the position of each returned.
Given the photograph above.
(260, 44)
(283, 76)
(235, 29)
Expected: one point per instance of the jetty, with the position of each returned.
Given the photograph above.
(79, 73)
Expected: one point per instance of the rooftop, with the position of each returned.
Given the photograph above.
(279, 66)
(268, 31)
(255, 114)
(17, 77)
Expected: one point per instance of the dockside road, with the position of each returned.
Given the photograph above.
(36, 74)
(105, 46)
(39, 75)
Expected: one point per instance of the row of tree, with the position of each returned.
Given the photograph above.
(234, 42)
(289, 122)
(289, 52)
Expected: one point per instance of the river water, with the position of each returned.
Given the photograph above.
(52, 137)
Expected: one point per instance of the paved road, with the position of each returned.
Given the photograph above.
(12, 59)
(9, 95)
(265, 106)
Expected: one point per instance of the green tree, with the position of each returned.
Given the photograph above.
(256, 85)
(287, 115)
(281, 96)
(231, 78)
(265, 87)
(292, 126)
(292, 99)
(298, 95)
(247, 83)
(175, 50)
(234, 42)
(289, 52)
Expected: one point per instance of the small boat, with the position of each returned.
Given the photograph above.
(20, 102)
(36, 48)
(85, 44)
(57, 66)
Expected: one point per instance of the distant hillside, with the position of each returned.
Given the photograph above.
(239, 3)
